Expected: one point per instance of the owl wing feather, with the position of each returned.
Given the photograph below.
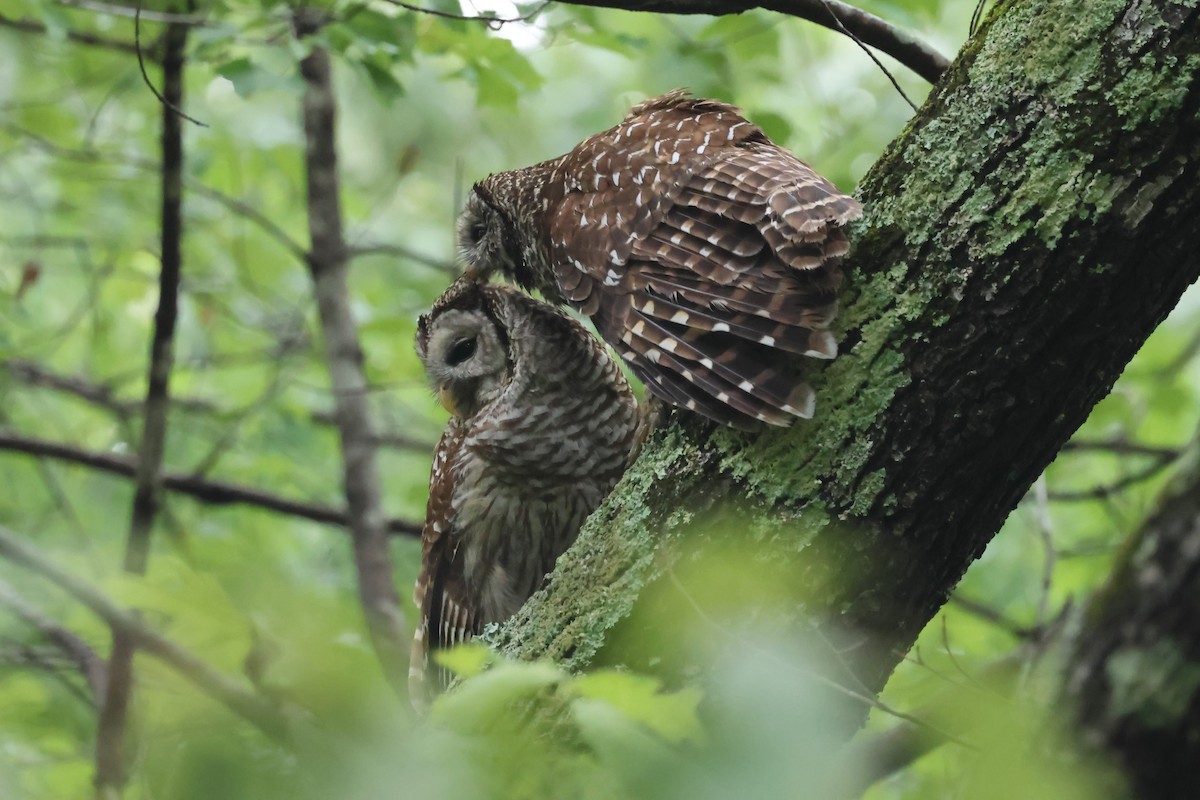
(449, 614)
(697, 246)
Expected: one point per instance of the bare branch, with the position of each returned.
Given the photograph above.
(90, 39)
(870, 29)
(81, 654)
(253, 215)
(1123, 447)
(206, 490)
(131, 11)
(995, 617)
(92, 156)
(33, 374)
(402, 252)
(328, 266)
(242, 701)
(493, 22)
(101, 394)
(1107, 490)
(137, 41)
(840, 26)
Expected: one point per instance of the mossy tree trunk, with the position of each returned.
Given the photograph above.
(1023, 237)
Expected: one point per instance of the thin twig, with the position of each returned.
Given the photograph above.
(989, 614)
(840, 26)
(137, 41)
(405, 253)
(242, 701)
(1123, 447)
(91, 666)
(492, 22)
(190, 20)
(1045, 529)
(90, 39)
(206, 490)
(1107, 490)
(49, 660)
(976, 17)
(102, 395)
(242, 208)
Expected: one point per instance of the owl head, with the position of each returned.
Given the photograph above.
(465, 351)
(488, 238)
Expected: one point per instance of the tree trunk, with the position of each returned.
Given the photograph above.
(1135, 671)
(1023, 237)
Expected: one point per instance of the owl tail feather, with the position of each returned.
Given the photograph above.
(794, 306)
(806, 340)
(741, 376)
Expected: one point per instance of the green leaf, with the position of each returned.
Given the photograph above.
(466, 660)
(484, 703)
(243, 74)
(671, 715)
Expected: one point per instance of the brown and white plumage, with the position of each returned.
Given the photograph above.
(697, 246)
(543, 425)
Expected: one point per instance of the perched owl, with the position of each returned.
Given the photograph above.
(697, 247)
(542, 426)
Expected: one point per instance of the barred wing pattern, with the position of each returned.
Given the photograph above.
(697, 247)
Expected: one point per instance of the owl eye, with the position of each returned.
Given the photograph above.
(460, 352)
(478, 231)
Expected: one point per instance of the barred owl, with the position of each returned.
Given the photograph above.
(697, 247)
(543, 425)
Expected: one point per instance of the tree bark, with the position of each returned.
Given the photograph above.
(327, 262)
(111, 729)
(1022, 238)
(1135, 671)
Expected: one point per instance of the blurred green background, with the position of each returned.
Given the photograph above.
(426, 106)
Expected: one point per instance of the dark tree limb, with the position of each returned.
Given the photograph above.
(1135, 671)
(327, 263)
(239, 699)
(90, 665)
(1022, 238)
(206, 490)
(833, 14)
(111, 729)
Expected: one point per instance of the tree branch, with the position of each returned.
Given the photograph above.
(90, 665)
(131, 11)
(206, 490)
(90, 39)
(864, 26)
(111, 729)
(237, 698)
(934, 421)
(343, 354)
(101, 395)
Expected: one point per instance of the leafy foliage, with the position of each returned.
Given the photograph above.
(426, 104)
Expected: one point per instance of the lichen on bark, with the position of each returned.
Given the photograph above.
(1023, 236)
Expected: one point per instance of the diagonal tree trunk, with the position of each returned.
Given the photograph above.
(1023, 237)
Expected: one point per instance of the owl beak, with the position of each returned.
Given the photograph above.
(446, 398)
